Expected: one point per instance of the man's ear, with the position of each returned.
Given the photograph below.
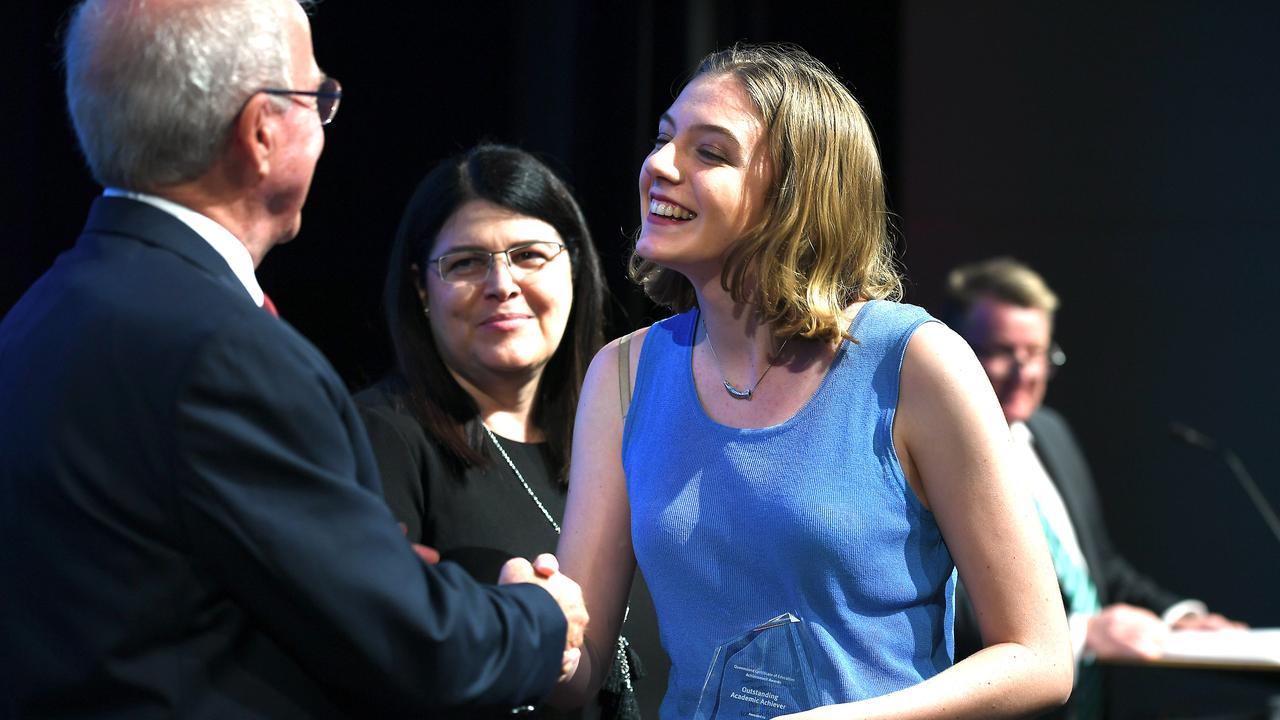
(255, 134)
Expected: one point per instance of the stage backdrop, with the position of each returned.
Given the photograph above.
(1127, 151)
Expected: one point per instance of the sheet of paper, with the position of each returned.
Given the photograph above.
(1259, 646)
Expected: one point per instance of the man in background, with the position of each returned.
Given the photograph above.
(1005, 311)
(190, 515)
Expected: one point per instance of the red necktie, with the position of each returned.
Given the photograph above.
(269, 306)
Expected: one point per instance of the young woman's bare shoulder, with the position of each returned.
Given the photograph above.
(937, 358)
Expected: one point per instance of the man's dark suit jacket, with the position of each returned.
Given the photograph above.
(1117, 581)
(191, 523)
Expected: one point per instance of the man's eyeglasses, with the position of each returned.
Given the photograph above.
(1001, 361)
(327, 96)
(474, 266)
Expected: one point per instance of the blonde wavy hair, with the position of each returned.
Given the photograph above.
(824, 241)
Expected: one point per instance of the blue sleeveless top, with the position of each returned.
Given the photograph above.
(813, 516)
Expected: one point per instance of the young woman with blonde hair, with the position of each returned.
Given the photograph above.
(797, 440)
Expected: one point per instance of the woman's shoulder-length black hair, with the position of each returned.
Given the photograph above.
(516, 180)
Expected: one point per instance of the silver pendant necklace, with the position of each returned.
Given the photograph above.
(620, 650)
(734, 391)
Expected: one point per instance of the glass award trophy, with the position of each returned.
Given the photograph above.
(762, 673)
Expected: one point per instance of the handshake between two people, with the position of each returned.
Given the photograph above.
(544, 571)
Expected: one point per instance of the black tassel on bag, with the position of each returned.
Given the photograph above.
(618, 695)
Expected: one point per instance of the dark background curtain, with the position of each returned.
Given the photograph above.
(1126, 150)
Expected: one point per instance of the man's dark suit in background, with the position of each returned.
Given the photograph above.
(1116, 580)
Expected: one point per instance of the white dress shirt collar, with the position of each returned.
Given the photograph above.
(218, 237)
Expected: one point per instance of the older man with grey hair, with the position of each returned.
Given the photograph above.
(190, 514)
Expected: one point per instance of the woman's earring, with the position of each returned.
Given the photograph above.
(426, 312)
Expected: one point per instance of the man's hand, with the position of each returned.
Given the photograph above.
(545, 571)
(1126, 631)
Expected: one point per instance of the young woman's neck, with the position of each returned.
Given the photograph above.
(736, 329)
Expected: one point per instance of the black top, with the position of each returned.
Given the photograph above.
(484, 516)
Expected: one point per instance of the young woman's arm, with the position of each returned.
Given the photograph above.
(595, 546)
(952, 442)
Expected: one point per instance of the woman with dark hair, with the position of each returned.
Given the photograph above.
(494, 300)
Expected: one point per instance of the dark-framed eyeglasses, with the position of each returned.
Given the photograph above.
(474, 266)
(327, 96)
(1001, 360)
